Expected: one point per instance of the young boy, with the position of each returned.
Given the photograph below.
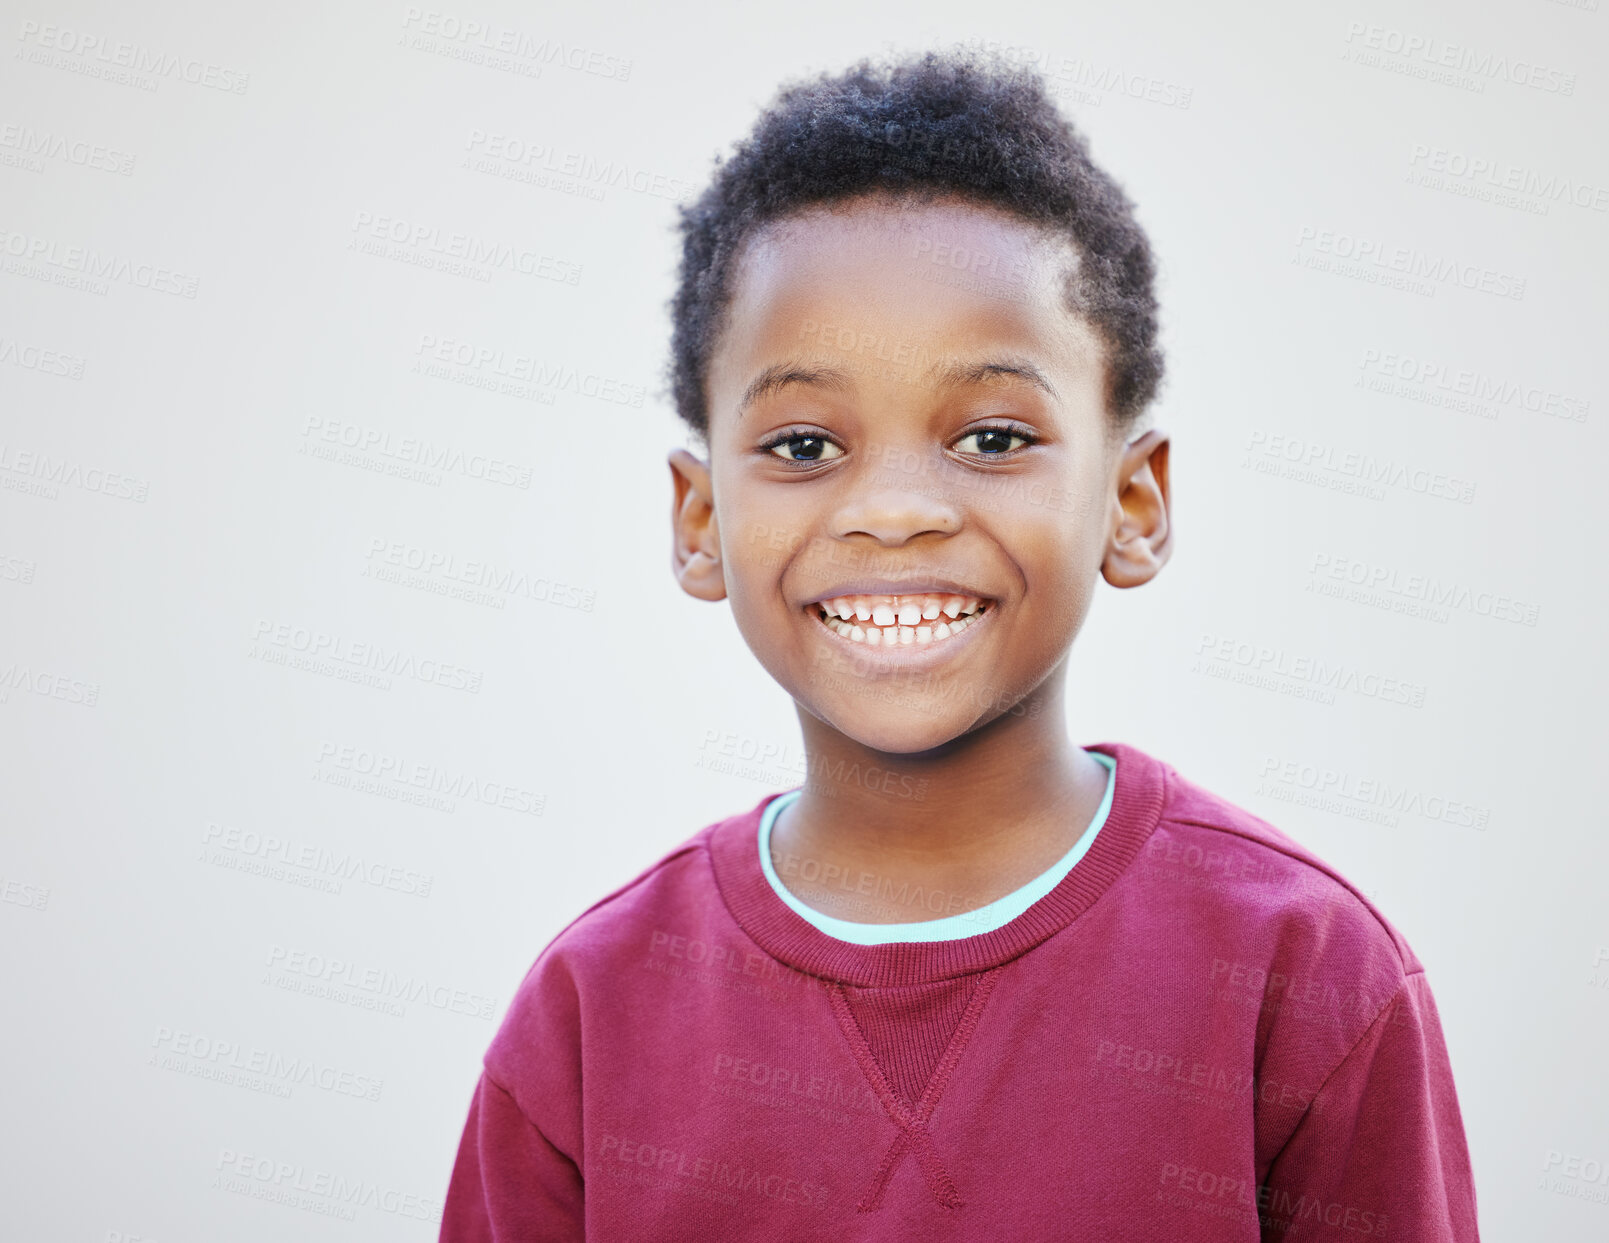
(970, 981)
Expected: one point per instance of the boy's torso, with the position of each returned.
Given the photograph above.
(1131, 1074)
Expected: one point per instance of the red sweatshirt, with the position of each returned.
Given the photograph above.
(1202, 1033)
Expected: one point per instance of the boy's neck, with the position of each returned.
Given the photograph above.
(970, 821)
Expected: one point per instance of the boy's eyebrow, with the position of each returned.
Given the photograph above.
(779, 375)
(974, 373)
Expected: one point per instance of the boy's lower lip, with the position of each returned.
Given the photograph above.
(905, 655)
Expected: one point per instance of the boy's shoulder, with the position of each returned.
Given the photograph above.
(672, 903)
(665, 912)
(1233, 857)
(670, 896)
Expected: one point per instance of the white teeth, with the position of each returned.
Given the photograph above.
(910, 623)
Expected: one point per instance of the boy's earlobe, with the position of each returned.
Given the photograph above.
(1142, 536)
(695, 556)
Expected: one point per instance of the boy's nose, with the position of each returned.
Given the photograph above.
(894, 515)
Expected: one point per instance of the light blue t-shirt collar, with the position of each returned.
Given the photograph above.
(952, 927)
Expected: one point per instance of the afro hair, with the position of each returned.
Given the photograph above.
(954, 124)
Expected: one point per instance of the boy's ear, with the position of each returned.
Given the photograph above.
(1142, 536)
(695, 556)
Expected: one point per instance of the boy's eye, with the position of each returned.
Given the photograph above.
(810, 448)
(992, 441)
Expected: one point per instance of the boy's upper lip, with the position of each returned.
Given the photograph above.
(928, 585)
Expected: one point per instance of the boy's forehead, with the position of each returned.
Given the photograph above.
(984, 247)
(931, 281)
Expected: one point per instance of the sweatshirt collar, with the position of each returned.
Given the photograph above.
(781, 932)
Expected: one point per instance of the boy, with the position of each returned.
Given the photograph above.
(970, 981)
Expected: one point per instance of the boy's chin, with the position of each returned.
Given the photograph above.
(895, 722)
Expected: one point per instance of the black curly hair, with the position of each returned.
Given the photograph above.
(959, 123)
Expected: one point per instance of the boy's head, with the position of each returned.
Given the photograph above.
(915, 326)
(961, 126)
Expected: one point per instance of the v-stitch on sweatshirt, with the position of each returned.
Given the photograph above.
(1199, 1032)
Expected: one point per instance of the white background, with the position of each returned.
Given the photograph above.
(174, 532)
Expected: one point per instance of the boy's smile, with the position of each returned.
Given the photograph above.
(907, 422)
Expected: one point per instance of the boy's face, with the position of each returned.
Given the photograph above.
(949, 432)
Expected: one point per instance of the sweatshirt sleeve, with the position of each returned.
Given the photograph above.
(1380, 1153)
(509, 1183)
